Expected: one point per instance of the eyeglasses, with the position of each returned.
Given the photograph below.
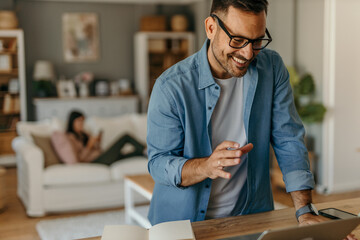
(241, 42)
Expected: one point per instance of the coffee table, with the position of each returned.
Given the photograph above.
(142, 184)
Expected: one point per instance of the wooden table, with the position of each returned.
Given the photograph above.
(241, 225)
(144, 185)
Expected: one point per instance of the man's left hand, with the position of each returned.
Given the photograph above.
(308, 219)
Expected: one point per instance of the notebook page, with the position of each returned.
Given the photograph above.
(177, 230)
(128, 232)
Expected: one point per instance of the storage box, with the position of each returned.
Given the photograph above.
(157, 45)
(153, 23)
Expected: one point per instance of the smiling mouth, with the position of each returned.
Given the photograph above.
(238, 60)
(241, 64)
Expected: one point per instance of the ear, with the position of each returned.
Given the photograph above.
(210, 27)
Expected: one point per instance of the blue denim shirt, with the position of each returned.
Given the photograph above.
(179, 129)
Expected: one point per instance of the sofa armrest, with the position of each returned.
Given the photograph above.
(30, 167)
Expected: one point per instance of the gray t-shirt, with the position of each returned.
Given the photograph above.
(227, 124)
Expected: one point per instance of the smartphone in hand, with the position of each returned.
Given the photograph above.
(246, 148)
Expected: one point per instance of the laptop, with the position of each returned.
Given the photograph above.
(330, 230)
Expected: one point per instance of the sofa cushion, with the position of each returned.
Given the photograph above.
(40, 128)
(128, 166)
(112, 128)
(44, 143)
(63, 147)
(80, 173)
(139, 122)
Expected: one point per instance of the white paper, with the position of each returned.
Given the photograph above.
(177, 230)
(128, 232)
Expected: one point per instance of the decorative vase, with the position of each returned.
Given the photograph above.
(83, 90)
(8, 20)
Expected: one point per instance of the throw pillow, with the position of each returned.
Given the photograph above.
(63, 147)
(44, 143)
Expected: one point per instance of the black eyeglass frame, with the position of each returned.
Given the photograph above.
(222, 26)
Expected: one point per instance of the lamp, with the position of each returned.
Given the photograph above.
(44, 75)
(44, 70)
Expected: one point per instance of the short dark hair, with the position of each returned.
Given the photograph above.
(255, 6)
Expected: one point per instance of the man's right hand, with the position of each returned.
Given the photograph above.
(196, 170)
(222, 157)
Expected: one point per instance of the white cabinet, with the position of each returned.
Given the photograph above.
(92, 107)
(154, 53)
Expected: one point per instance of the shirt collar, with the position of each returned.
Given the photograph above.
(206, 78)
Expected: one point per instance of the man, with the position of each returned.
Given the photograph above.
(232, 93)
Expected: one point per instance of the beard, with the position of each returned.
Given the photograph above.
(227, 62)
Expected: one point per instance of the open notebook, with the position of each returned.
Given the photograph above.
(177, 230)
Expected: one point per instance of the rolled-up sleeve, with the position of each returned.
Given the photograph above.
(165, 137)
(287, 136)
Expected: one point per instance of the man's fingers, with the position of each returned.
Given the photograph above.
(350, 237)
(247, 148)
(222, 174)
(227, 144)
(227, 162)
(223, 154)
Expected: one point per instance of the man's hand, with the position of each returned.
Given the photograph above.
(222, 157)
(198, 169)
(308, 219)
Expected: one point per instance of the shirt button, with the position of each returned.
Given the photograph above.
(202, 211)
(207, 186)
(217, 87)
(209, 108)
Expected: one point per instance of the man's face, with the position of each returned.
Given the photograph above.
(224, 60)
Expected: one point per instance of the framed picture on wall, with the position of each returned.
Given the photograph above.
(80, 37)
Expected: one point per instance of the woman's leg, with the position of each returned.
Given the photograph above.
(112, 154)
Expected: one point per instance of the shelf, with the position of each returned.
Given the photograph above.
(9, 130)
(3, 93)
(11, 72)
(8, 52)
(130, 1)
(9, 114)
(83, 98)
(172, 52)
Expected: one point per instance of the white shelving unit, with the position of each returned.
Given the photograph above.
(144, 78)
(18, 34)
(16, 58)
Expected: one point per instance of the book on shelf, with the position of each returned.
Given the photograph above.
(176, 230)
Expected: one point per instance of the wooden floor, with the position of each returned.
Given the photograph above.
(15, 225)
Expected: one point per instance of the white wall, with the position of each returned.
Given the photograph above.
(281, 25)
(321, 37)
(309, 59)
(346, 98)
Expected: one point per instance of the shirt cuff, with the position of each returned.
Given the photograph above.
(174, 168)
(299, 180)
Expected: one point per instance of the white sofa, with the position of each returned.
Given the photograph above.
(75, 187)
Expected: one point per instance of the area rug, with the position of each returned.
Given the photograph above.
(85, 226)
(89, 225)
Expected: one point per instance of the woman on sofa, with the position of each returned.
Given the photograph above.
(78, 146)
